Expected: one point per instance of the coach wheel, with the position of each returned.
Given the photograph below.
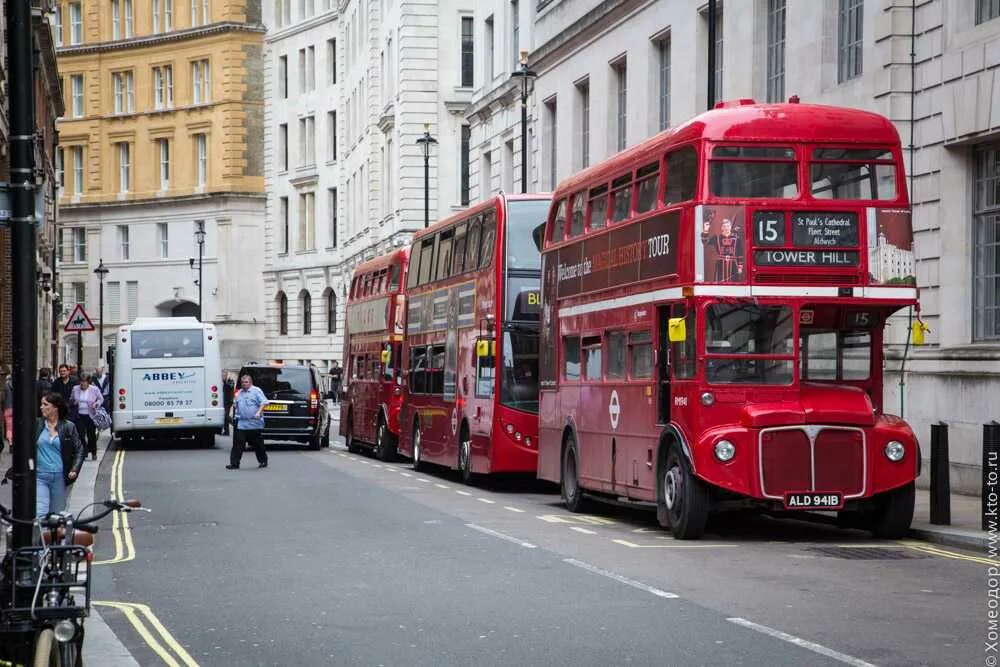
(385, 443)
(893, 513)
(417, 463)
(465, 457)
(572, 494)
(683, 497)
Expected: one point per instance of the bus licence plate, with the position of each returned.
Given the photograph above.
(276, 407)
(169, 420)
(813, 501)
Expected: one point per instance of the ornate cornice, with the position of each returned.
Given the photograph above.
(156, 40)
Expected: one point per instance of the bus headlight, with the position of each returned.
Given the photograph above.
(725, 451)
(64, 631)
(894, 450)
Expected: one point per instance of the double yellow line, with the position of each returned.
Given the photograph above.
(138, 613)
(124, 546)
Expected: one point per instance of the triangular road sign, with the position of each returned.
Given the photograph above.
(78, 320)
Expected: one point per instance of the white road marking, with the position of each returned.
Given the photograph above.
(583, 530)
(526, 545)
(441, 486)
(487, 501)
(513, 509)
(376, 465)
(406, 474)
(798, 641)
(425, 481)
(619, 578)
(463, 493)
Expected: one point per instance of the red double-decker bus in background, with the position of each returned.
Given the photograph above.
(471, 345)
(373, 340)
(715, 301)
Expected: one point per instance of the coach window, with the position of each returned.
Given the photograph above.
(418, 370)
(444, 253)
(472, 245)
(640, 346)
(571, 358)
(616, 355)
(458, 251)
(559, 224)
(488, 238)
(682, 354)
(598, 214)
(682, 175)
(426, 260)
(646, 187)
(592, 357)
(622, 193)
(485, 376)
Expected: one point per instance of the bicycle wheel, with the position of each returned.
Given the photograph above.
(46, 653)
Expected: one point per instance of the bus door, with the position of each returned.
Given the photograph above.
(663, 314)
(675, 359)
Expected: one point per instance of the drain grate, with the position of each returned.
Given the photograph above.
(868, 553)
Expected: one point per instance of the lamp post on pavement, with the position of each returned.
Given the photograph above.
(525, 75)
(199, 236)
(101, 272)
(425, 146)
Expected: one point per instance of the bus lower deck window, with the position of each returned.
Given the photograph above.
(616, 354)
(640, 346)
(592, 357)
(571, 358)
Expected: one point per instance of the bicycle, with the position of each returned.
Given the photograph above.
(48, 631)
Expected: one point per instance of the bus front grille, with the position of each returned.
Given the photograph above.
(812, 458)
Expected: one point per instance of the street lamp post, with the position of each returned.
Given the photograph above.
(199, 236)
(525, 75)
(101, 272)
(425, 146)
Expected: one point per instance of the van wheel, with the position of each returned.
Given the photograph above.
(572, 494)
(315, 441)
(417, 463)
(682, 498)
(385, 443)
(326, 436)
(893, 513)
(465, 457)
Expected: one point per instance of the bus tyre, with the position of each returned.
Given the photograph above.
(417, 463)
(683, 499)
(352, 447)
(385, 443)
(46, 652)
(572, 494)
(465, 457)
(893, 513)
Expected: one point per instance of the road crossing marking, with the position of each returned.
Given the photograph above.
(120, 530)
(462, 493)
(620, 579)
(487, 501)
(586, 519)
(513, 509)
(376, 465)
(406, 474)
(441, 486)
(633, 545)
(502, 536)
(585, 531)
(132, 612)
(425, 481)
(802, 643)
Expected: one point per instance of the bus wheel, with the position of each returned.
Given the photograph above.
(683, 497)
(465, 457)
(893, 513)
(385, 445)
(417, 463)
(572, 494)
(46, 653)
(349, 438)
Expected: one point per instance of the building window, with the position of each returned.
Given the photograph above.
(201, 82)
(75, 23)
(77, 153)
(850, 31)
(168, 15)
(331, 132)
(116, 19)
(311, 67)
(987, 10)
(464, 164)
(164, 145)
(283, 212)
(305, 303)
(123, 84)
(57, 24)
(515, 33)
(307, 222)
(331, 311)
(129, 20)
(775, 50)
(486, 175)
(206, 11)
(467, 51)
(583, 91)
(124, 166)
(663, 51)
(283, 77)
(79, 244)
(332, 203)
(282, 314)
(163, 87)
(621, 103)
(132, 296)
(283, 146)
(60, 171)
(156, 16)
(123, 250)
(331, 61)
(80, 292)
(76, 84)
(488, 50)
(307, 141)
(986, 243)
(553, 140)
(163, 237)
(201, 148)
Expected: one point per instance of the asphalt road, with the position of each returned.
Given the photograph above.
(327, 558)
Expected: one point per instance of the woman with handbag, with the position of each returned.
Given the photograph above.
(86, 398)
(58, 455)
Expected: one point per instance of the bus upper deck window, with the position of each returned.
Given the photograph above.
(426, 260)
(445, 240)
(578, 214)
(646, 187)
(487, 238)
(472, 245)
(754, 171)
(458, 251)
(682, 175)
(598, 207)
(394, 278)
(622, 194)
(852, 173)
(559, 223)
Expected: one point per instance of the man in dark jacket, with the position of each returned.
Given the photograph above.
(43, 385)
(228, 391)
(64, 383)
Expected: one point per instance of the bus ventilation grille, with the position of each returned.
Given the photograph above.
(807, 279)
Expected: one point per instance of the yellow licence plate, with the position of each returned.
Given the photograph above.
(276, 407)
(169, 420)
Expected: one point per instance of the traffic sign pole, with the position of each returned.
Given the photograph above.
(79, 352)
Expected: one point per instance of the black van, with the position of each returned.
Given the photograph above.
(297, 409)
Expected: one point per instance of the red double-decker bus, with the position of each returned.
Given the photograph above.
(373, 339)
(715, 302)
(471, 346)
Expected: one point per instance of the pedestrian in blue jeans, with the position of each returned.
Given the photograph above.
(58, 455)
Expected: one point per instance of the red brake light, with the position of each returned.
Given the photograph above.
(314, 400)
(214, 389)
(121, 392)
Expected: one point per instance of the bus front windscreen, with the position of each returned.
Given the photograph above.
(519, 378)
(168, 344)
(749, 344)
(522, 218)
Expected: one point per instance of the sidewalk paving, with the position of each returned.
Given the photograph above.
(965, 529)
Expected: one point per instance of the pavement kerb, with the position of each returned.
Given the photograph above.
(962, 539)
(100, 646)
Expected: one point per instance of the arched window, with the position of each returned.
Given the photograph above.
(282, 314)
(306, 304)
(331, 310)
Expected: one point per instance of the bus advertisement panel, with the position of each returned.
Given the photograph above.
(471, 348)
(714, 312)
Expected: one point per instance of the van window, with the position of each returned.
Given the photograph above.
(283, 381)
(682, 174)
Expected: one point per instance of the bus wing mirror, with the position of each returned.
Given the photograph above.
(538, 235)
(676, 330)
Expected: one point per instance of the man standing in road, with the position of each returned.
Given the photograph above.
(336, 380)
(248, 412)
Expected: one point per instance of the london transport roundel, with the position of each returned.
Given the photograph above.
(615, 410)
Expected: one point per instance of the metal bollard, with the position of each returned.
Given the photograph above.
(940, 494)
(991, 470)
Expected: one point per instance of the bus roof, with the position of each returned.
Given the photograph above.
(397, 256)
(480, 206)
(154, 323)
(746, 121)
